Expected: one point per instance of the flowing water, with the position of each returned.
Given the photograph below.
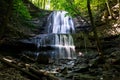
(58, 30)
(60, 23)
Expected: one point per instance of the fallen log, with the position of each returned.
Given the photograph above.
(28, 58)
(44, 73)
(34, 77)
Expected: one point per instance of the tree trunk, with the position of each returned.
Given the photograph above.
(94, 29)
(109, 10)
(39, 4)
(118, 1)
(6, 16)
(44, 5)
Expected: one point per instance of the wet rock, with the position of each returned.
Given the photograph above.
(17, 46)
(111, 50)
(44, 59)
(64, 71)
(81, 24)
(79, 76)
(81, 68)
(114, 57)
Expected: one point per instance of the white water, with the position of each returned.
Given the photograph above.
(58, 36)
(62, 43)
(62, 26)
(60, 22)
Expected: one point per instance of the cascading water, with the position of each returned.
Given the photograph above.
(58, 37)
(59, 27)
(60, 23)
(62, 44)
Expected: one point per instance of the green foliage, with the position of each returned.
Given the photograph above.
(21, 10)
(77, 7)
(43, 4)
(74, 7)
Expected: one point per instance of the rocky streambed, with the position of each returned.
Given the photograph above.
(87, 66)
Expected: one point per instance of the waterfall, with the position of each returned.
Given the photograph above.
(62, 44)
(60, 22)
(57, 41)
(59, 29)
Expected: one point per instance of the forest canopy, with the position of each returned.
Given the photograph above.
(72, 6)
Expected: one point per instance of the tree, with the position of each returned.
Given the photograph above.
(109, 10)
(6, 11)
(9, 11)
(94, 29)
(118, 1)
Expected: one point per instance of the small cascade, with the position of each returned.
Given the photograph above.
(62, 45)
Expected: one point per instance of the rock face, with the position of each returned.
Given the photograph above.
(77, 23)
(54, 35)
(17, 46)
(81, 24)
